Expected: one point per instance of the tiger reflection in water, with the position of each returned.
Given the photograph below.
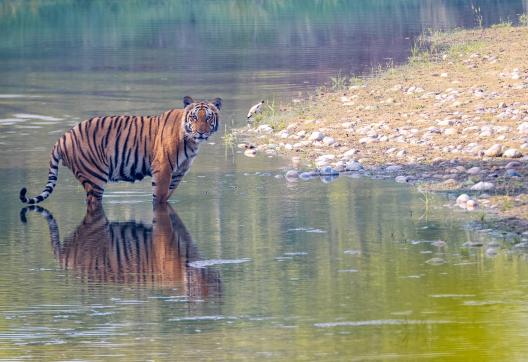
(133, 253)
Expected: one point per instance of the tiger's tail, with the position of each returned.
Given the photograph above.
(52, 179)
(52, 224)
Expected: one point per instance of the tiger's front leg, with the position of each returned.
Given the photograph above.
(161, 180)
(177, 176)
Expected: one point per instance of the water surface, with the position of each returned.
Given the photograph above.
(243, 265)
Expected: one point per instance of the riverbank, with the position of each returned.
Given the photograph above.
(454, 119)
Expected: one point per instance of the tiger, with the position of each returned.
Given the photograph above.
(131, 252)
(128, 148)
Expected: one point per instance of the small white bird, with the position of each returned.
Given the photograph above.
(257, 108)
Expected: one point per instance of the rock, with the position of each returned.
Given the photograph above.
(450, 131)
(523, 128)
(288, 146)
(328, 171)
(316, 136)
(292, 174)
(401, 153)
(473, 171)
(512, 173)
(471, 204)
(326, 157)
(353, 166)
(512, 153)
(402, 179)
(350, 153)
(328, 141)
(250, 152)
(340, 166)
(494, 151)
(393, 168)
(264, 129)
(367, 140)
(513, 164)
(284, 134)
(444, 75)
(483, 186)
(462, 200)
(308, 175)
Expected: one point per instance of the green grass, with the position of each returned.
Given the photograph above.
(523, 20)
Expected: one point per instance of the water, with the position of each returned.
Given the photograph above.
(243, 265)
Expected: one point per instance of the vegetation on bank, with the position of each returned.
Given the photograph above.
(455, 117)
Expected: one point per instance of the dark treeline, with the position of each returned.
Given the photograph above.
(197, 31)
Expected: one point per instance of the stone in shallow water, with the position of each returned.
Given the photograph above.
(402, 179)
(512, 164)
(512, 173)
(393, 168)
(473, 171)
(292, 174)
(353, 166)
(250, 152)
(308, 175)
(328, 171)
(471, 205)
(462, 200)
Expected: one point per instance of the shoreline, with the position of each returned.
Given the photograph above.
(453, 119)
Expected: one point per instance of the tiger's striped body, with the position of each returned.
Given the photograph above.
(128, 148)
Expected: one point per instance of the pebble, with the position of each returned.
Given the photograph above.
(482, 186)
(292, 174)
(473, 171)
(350, 153)
(494, 151)
(316, 136)
(462, 200)
(512, 173)
(328, 140)
(393, 168)
(353, 166)
(265, 129)
(308, 175)
(513, 164)
(471, 204)
(512, 153)
(250, 152)
(402, 179)
(328, 171)
(523, 128)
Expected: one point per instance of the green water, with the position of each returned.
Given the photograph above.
(243, 265)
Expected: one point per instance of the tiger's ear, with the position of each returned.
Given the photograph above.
(187, 100)
(218, 103)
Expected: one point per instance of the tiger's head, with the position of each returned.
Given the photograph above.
(201, 118)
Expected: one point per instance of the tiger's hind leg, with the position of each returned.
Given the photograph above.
(94, 192)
